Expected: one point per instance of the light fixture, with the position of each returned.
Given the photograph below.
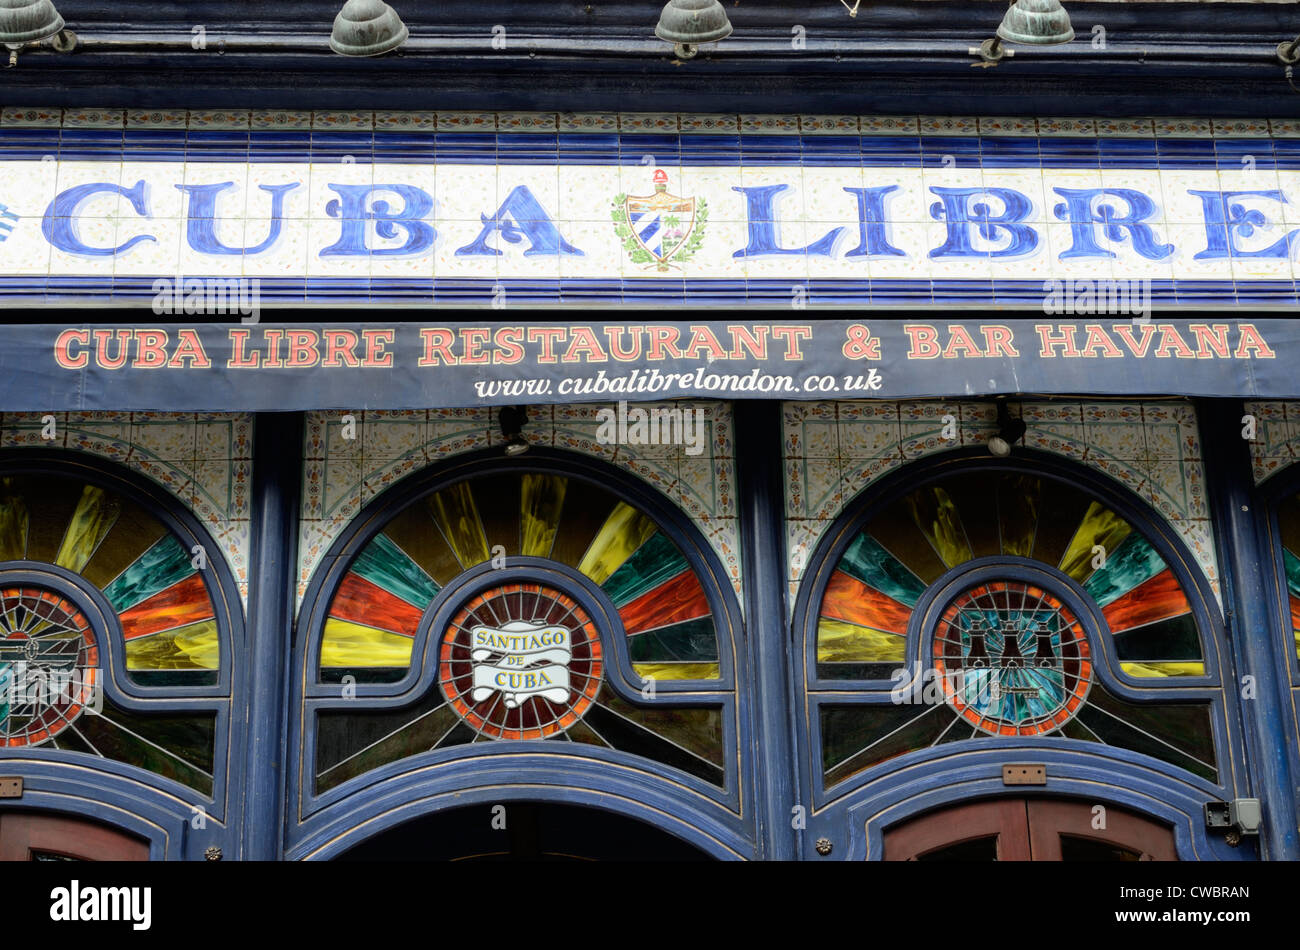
(687, 23)
(367, 28)
(1030, 23)
(1288, 51)
(31, 21)
(512, 420)
(1010, 431)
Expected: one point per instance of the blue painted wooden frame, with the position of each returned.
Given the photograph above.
(719, 821)
(1270, 493)
(856, 809)
(1238, 527)
(162, 811)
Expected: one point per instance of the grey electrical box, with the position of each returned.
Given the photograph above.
(1242, 815)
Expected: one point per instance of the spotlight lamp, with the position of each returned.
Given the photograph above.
(688, 23)
(26, 22)
(1010, 431)
(367, 28)
(512, 420)
(1029, 23)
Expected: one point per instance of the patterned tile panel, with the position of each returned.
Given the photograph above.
(1277, 437)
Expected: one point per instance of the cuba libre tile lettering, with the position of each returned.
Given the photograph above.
(922, 214)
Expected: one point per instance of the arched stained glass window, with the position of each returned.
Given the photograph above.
(526, 605)
(992, 602)
(910, 544)
(376, 611)
(87, 572)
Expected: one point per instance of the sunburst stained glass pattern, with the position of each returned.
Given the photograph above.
(523, 661)
(377, 608)
(904, 548)
(149, 578)
(1288, 519)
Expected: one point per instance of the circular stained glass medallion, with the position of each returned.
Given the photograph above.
(48, 665)
(520, 661)
(1013, 658)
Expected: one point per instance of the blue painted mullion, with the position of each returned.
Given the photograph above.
(1252, 629)
(277, 475)
(767, 632)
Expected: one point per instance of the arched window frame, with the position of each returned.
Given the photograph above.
(922, 779)
(159, 809)
(715, 819)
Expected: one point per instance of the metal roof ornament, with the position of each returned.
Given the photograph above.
(367, 28)
(1036, 23)
(688, 23)
(1028, 22)
(32, 21)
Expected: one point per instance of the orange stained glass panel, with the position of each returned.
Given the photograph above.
(673, 601)
(185, 602)
(847, 598)
(1159, 598)
(360, 601)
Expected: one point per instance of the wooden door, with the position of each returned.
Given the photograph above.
(1015, 829)
(33, 836)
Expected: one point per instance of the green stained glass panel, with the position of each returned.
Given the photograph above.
(1292, 564)
(692, 641)
(649, 566)
(387, 566)
(157, 569)
(870, 563)
(1133, 562)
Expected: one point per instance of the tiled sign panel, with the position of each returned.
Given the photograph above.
(919, 213)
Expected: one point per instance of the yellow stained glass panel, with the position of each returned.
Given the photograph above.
(192, 647)
(95, 515)
(454, 510)
(542, 500)
(936, 515)
(1100, 526)
(841, 642)
(625, 530)
(354, 644)
(678, 671)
